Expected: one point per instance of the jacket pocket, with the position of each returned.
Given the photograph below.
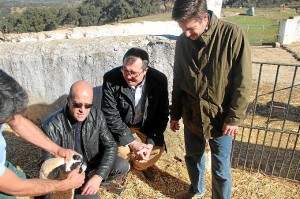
(217, 116)
(191, 114)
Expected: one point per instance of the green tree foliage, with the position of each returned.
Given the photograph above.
(255, 3)
(119, 10)
(89, 15)
(32, 20)
(142, 7)
(68, 15)
(90, 12)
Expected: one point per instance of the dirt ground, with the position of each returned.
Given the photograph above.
(275, 55)
(170, 172)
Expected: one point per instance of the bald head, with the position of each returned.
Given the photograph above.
(81, 88)
(80, 100)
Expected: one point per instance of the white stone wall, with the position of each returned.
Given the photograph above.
(215, 6)
(289, 31)
(47, 69)
(168, 28)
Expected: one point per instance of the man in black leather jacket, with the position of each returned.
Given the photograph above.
(135, 102)
(82, 127)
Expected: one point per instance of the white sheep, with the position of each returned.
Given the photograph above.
(57, 169)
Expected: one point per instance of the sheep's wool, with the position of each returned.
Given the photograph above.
(56, 169)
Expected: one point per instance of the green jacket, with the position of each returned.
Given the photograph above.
(212, 79)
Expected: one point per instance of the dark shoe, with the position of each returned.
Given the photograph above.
(148, 173)
(188, 195)
(115, 188)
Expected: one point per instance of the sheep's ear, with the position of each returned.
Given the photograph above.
(82, 167)
(58, 173)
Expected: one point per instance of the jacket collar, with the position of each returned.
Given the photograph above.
(206, 36)
(150, 77)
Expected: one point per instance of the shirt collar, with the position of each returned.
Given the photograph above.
(140, 85)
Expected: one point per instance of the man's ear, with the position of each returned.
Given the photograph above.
(68, 101)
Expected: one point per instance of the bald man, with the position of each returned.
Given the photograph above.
(82, 127)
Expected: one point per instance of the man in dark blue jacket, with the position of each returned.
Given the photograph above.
(135, 102)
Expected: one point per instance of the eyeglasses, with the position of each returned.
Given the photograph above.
(79, 105)
(130, 73)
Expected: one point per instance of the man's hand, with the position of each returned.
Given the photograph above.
(136, 146)
(144, 153)
(74, 179)
(174, 125)
(66, 153)
(92, 186)
(229, 129)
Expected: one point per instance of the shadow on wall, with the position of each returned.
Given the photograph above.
(97, 96)
(37, 113)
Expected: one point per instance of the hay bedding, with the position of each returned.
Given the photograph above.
(171, 175)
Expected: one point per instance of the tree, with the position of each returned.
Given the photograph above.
(68, 16)
(89, 15)
(39, 19)
(119, 10)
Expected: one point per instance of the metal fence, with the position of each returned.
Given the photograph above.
(268, 141)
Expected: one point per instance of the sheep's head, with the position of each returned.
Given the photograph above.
(56, 168)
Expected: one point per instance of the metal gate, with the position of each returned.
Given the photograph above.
(268, 141)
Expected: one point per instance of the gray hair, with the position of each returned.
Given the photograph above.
(13, 97)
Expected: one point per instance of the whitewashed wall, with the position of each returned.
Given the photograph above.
(289, 31)
(215, 6)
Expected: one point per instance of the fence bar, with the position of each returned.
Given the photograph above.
(289, 100)
(263, 148)
(270, 113)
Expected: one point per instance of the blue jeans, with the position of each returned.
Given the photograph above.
(220, 161)
(18, 173)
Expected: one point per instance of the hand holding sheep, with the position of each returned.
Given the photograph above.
(74, 179)
(66, 154)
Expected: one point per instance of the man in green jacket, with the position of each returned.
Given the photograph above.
(211, 89)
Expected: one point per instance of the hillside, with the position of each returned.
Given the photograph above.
(3, 2)
(7, 5)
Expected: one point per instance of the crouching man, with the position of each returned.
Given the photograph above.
(82, 127)
(13, 182)
(136, 106)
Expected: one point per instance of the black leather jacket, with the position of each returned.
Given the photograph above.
(118, 106)
(99, 146)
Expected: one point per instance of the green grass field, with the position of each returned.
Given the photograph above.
(263, 27)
